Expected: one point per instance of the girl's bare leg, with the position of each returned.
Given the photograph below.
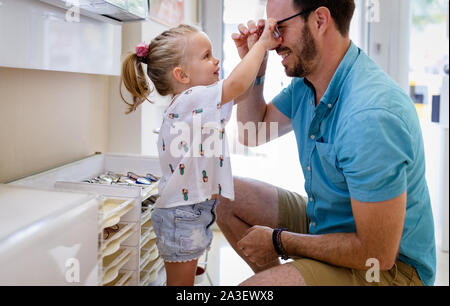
(181, 273)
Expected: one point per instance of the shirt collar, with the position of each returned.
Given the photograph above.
(332, 93)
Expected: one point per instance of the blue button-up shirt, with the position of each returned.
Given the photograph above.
(363, 140)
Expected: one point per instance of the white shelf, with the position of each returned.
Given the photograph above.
(124, 278)
(113, 263)
(122, 206)
(116, 239)
(150, 272)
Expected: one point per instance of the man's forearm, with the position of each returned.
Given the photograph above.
(251, 111)
(251, 105)
(340, 249)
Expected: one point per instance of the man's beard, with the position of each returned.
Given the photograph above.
(305, 56)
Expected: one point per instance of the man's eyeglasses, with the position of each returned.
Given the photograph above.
(277, 33)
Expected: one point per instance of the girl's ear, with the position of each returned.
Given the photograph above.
(180, 75)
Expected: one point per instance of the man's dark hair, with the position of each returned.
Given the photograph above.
(341, 11)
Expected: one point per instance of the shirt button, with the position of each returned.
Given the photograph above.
(313, 224)
(330, 106)
(311, 199)
(309, 168)
(312, 102)
(313, 137)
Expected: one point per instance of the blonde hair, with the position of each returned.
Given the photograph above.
(166, 52)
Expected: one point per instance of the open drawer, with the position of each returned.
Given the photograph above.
(150, 271)
(148, 255)
(124, 278)
(116, 237)
(146, 215)
(113, 209)
(113, 263)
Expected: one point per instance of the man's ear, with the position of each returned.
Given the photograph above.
(180, 75)
(322, 19)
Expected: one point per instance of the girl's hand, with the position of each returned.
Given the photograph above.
(267, 37)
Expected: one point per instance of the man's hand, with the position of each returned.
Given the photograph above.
(257, 246)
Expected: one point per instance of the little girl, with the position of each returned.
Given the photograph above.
(195, 163)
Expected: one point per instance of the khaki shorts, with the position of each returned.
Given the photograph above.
(292, 215)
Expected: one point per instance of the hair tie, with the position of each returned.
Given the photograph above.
(142, 52)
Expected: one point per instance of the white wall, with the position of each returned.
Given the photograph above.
(49, 118)
(388, 38)
(134, 133)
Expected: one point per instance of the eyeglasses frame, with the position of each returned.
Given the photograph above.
(277, 33)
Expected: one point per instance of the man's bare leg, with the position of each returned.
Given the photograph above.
(282, 275)
(256, 203)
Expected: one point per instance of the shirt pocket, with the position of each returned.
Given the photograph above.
(328, 159)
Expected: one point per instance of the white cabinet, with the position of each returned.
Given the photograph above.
(48, 237)
(126, 252)
(36, 35)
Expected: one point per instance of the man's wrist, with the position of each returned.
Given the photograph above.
(277, 243)
(260, 79)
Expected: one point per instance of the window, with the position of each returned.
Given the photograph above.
(428, 52)
(429, 55)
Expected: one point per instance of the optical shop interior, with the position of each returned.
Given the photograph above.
(313, 148)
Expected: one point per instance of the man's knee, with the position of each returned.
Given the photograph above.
(225, 207)
(223, 211)
(256, 203)
(282, 275)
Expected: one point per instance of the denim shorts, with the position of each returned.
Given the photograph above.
(184, 232)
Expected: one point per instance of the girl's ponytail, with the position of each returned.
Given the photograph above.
(164, 53)
(135, 81)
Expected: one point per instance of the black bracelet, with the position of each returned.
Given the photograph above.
(260, 80)
(277, 244)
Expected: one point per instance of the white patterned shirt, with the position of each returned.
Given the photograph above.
(193, 150)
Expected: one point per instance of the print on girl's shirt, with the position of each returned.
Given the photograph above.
(182, 169)
(193, 150)
(185, 194)
(184, 146)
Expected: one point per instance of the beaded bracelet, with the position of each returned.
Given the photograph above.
(260, 80)
(277, 244)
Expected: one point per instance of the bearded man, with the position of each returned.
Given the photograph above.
(367, 218)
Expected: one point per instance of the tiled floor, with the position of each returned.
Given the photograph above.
(226, 268)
